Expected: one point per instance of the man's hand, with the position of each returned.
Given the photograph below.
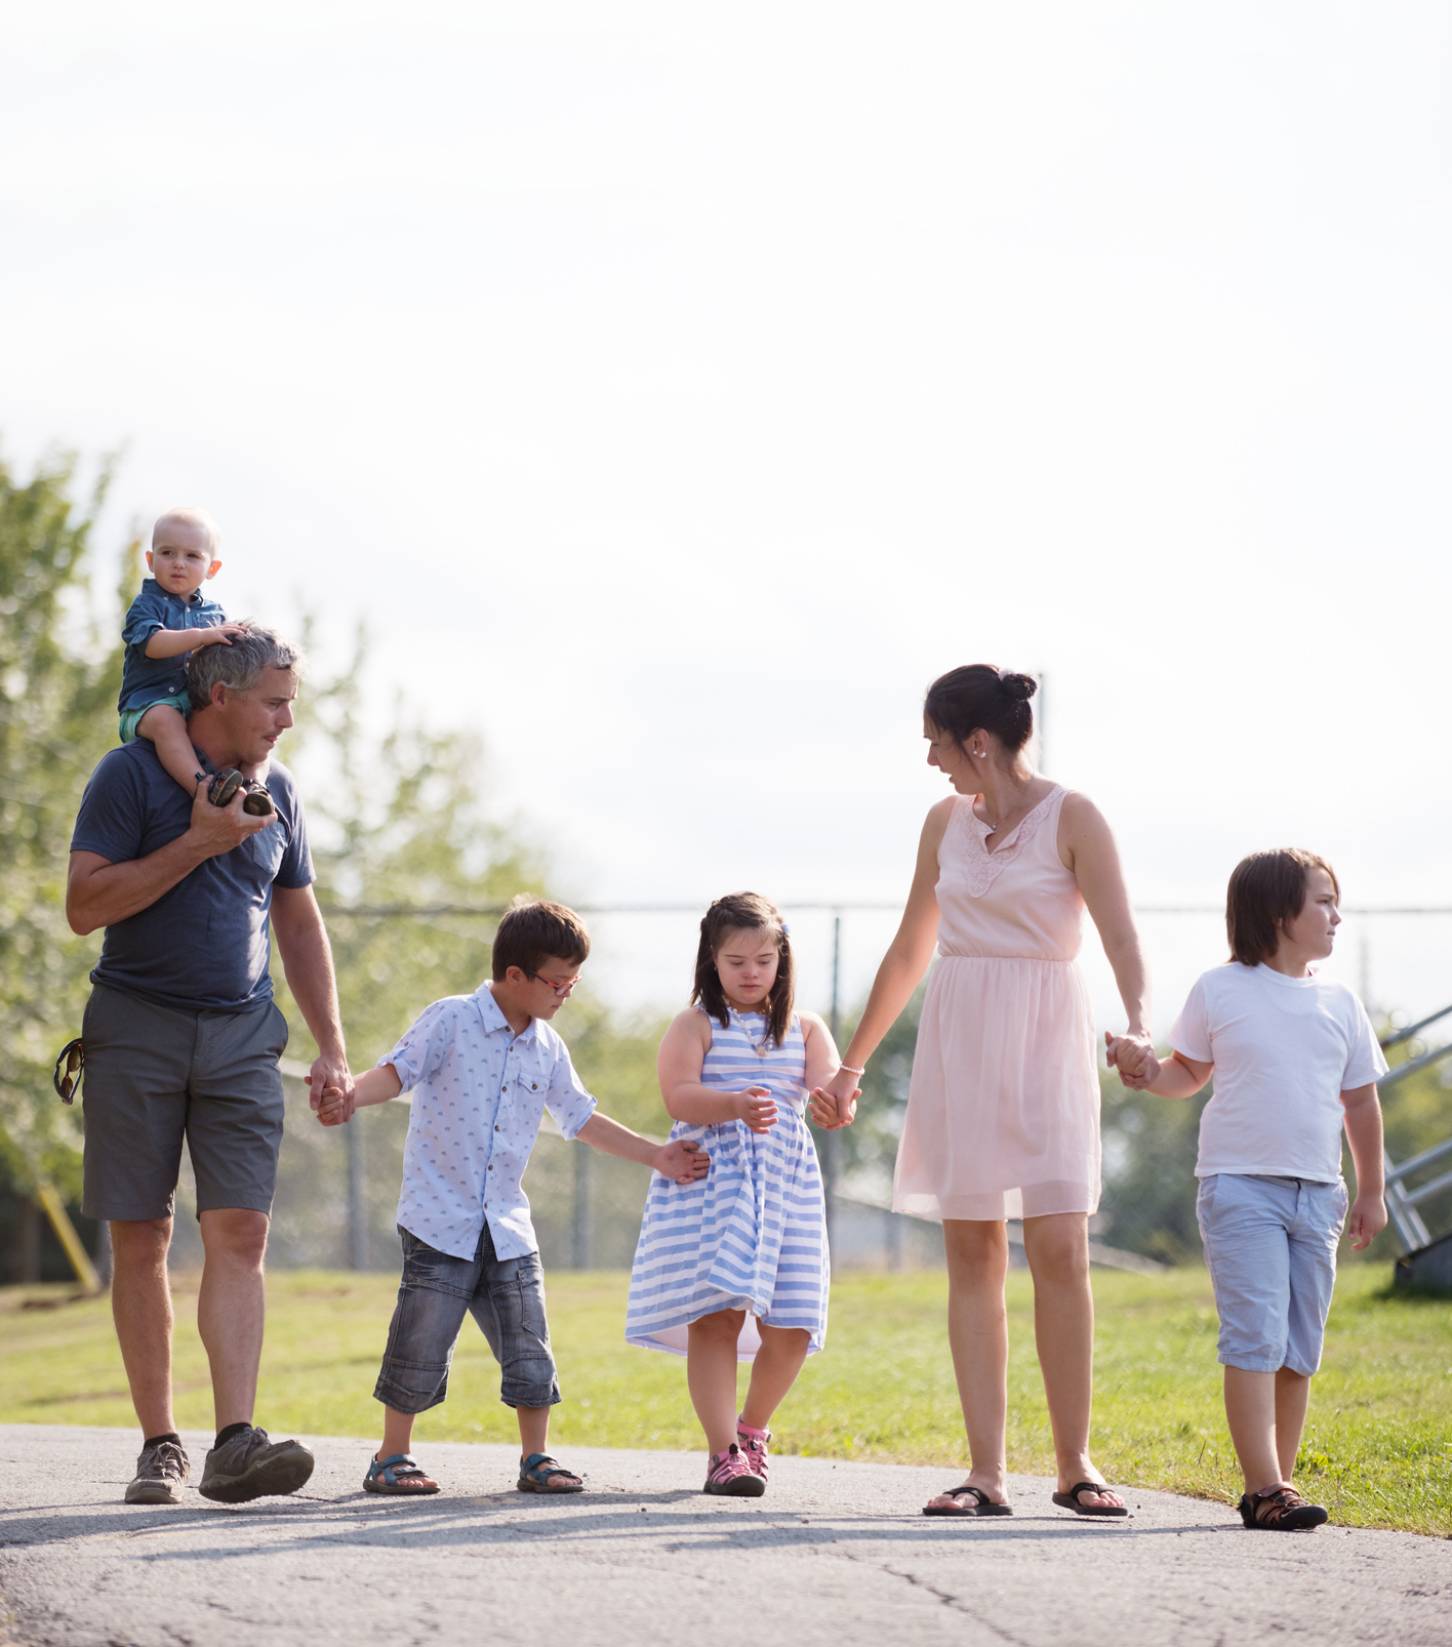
(218, 829)
(684, 1162)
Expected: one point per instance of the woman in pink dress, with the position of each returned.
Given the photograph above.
(1003, 1109)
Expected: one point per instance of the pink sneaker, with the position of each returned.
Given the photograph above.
(729, 1475)
(754, 1444)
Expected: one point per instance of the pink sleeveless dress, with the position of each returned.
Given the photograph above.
(1003, 1109)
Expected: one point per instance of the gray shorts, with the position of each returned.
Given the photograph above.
(156, 1074)
(1270, 1244)
(504, 1295)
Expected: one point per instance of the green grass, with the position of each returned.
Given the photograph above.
(1377, 1449)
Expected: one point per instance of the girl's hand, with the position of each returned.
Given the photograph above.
(831, 1112)
(843, 1090)
(1366, 1220)
(756, 1107)
(683, 1161)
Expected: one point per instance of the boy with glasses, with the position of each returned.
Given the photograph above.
(483, 1068)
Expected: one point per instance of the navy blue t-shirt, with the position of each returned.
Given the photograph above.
(204, 944)
(144, 680)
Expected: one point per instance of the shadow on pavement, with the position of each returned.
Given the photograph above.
(293, 1524)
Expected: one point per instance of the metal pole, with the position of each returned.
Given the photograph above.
(580, 1212)
(830, 1141)
(357, 1216)
(1043, 721)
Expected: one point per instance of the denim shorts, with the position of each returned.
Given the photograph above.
(1270, 1244)
(504, 1295)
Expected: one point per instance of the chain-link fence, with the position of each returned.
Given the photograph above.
(338, 1187)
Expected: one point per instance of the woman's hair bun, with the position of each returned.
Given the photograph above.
(1021, 687)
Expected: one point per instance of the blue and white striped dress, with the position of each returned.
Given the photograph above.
(753, 1234)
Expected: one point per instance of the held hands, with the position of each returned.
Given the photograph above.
(683, 1161)
(330, 1091)
(1366, 1220)
(1134, 1057)
(333, 1107)
(756, 1107)
(835, 1105)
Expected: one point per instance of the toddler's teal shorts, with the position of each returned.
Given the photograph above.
(131, 718)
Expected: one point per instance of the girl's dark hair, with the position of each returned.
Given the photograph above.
(534, 931)
(745, 912)
(981, 696)
(1267, 889)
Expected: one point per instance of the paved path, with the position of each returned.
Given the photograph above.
(837, 1553)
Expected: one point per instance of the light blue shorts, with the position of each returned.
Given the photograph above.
(1270, 1244)
(131, 718)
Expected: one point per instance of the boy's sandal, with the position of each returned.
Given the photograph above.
(399, 1475)
(224, 785)
(229, 781)
(1280, 1510)
(982, 1504)
(1071, 1500)
(539, 1473)
(258, 800)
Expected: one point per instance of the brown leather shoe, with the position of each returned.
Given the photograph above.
(1280, 1510)
(250, 1466)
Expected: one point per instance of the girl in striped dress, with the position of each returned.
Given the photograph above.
(734, 1267)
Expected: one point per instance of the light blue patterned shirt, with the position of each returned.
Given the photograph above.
(480, 1092)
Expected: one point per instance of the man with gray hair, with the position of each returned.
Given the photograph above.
(182, 1037)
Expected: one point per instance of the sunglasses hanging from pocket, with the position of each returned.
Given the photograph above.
(70, 1069)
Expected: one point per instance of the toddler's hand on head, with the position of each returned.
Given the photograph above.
(223, 634)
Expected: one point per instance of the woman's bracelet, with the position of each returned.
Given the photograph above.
(849, 1069)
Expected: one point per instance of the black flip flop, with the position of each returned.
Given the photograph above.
(1071, 1501)
(983, 1504)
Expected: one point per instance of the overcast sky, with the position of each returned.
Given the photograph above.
(674, 391)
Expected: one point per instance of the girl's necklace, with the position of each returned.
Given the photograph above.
(760, 1047)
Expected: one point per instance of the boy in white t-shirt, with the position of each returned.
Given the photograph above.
(1295, 1059)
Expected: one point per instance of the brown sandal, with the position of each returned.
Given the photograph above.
(1280, 1510)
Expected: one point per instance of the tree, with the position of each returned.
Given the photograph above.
(58, 681)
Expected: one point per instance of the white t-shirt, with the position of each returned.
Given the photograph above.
(1284, 1050)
